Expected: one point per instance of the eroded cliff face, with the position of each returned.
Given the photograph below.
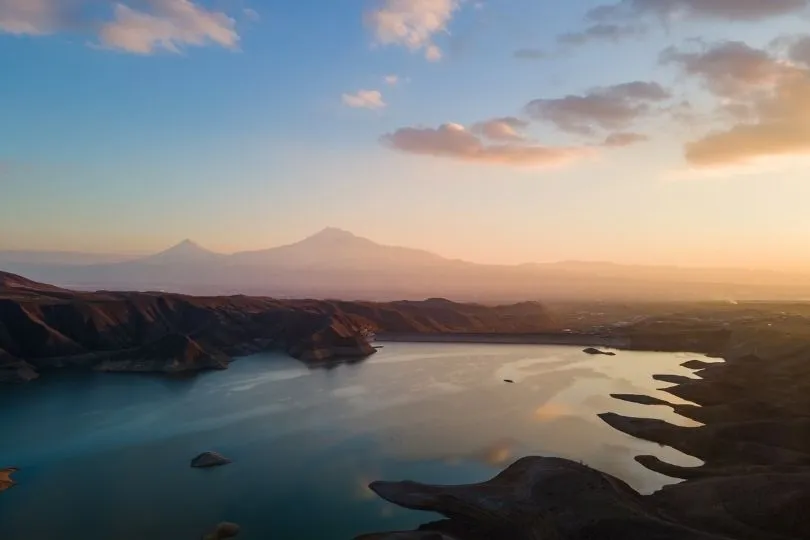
(44, 327)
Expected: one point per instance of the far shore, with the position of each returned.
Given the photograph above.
(583, 340)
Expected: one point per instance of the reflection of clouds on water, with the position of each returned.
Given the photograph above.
(552, 411)
(251, 383)
(442, 406)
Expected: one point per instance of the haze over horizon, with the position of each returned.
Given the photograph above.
(631, 131)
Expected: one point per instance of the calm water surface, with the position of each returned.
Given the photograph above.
(106, 457)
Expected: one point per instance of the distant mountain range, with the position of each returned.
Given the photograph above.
(337, 264)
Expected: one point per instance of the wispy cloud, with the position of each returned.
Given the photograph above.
(602, 32)
(412, 23)
(530, 54)
(732, 10)
(391, 80)
(364, 99)
(454, 141)
(169, 25)
(608, 108)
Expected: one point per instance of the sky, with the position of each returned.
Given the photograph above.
(495, 131)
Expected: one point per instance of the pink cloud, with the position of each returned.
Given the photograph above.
(169, 25)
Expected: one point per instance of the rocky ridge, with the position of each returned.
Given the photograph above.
(44, 327)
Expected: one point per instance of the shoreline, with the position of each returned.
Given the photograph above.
(578, 340)
(754, 482)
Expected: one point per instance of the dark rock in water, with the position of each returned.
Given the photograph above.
(209, 459)
(510, 381)
(5, 478)
(536, 497)
(223, 530)
(640, 399)
(591, 350)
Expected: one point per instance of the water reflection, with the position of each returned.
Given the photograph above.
(113, 450)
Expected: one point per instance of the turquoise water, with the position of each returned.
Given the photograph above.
(106, 457)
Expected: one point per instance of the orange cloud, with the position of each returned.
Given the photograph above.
(769, 99)
(456, 142)
(782, 128)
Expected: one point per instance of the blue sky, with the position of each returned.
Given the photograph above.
(245, 124)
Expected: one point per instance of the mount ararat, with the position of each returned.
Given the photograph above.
(338, 264)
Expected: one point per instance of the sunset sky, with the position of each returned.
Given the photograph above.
(502, 131)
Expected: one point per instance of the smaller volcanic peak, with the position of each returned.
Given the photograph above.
(186, 251)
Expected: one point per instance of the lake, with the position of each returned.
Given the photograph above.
(106, 456)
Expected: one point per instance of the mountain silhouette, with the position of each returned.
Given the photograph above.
(334, 263)
(331, 248)
(186, 252)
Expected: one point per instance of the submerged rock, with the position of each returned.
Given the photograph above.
(224, 530)
(209, 459)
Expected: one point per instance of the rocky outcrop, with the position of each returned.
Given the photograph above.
(6, 481)
(537, 498)
(209, 459)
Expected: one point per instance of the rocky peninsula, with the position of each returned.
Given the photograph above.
(754, 483)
